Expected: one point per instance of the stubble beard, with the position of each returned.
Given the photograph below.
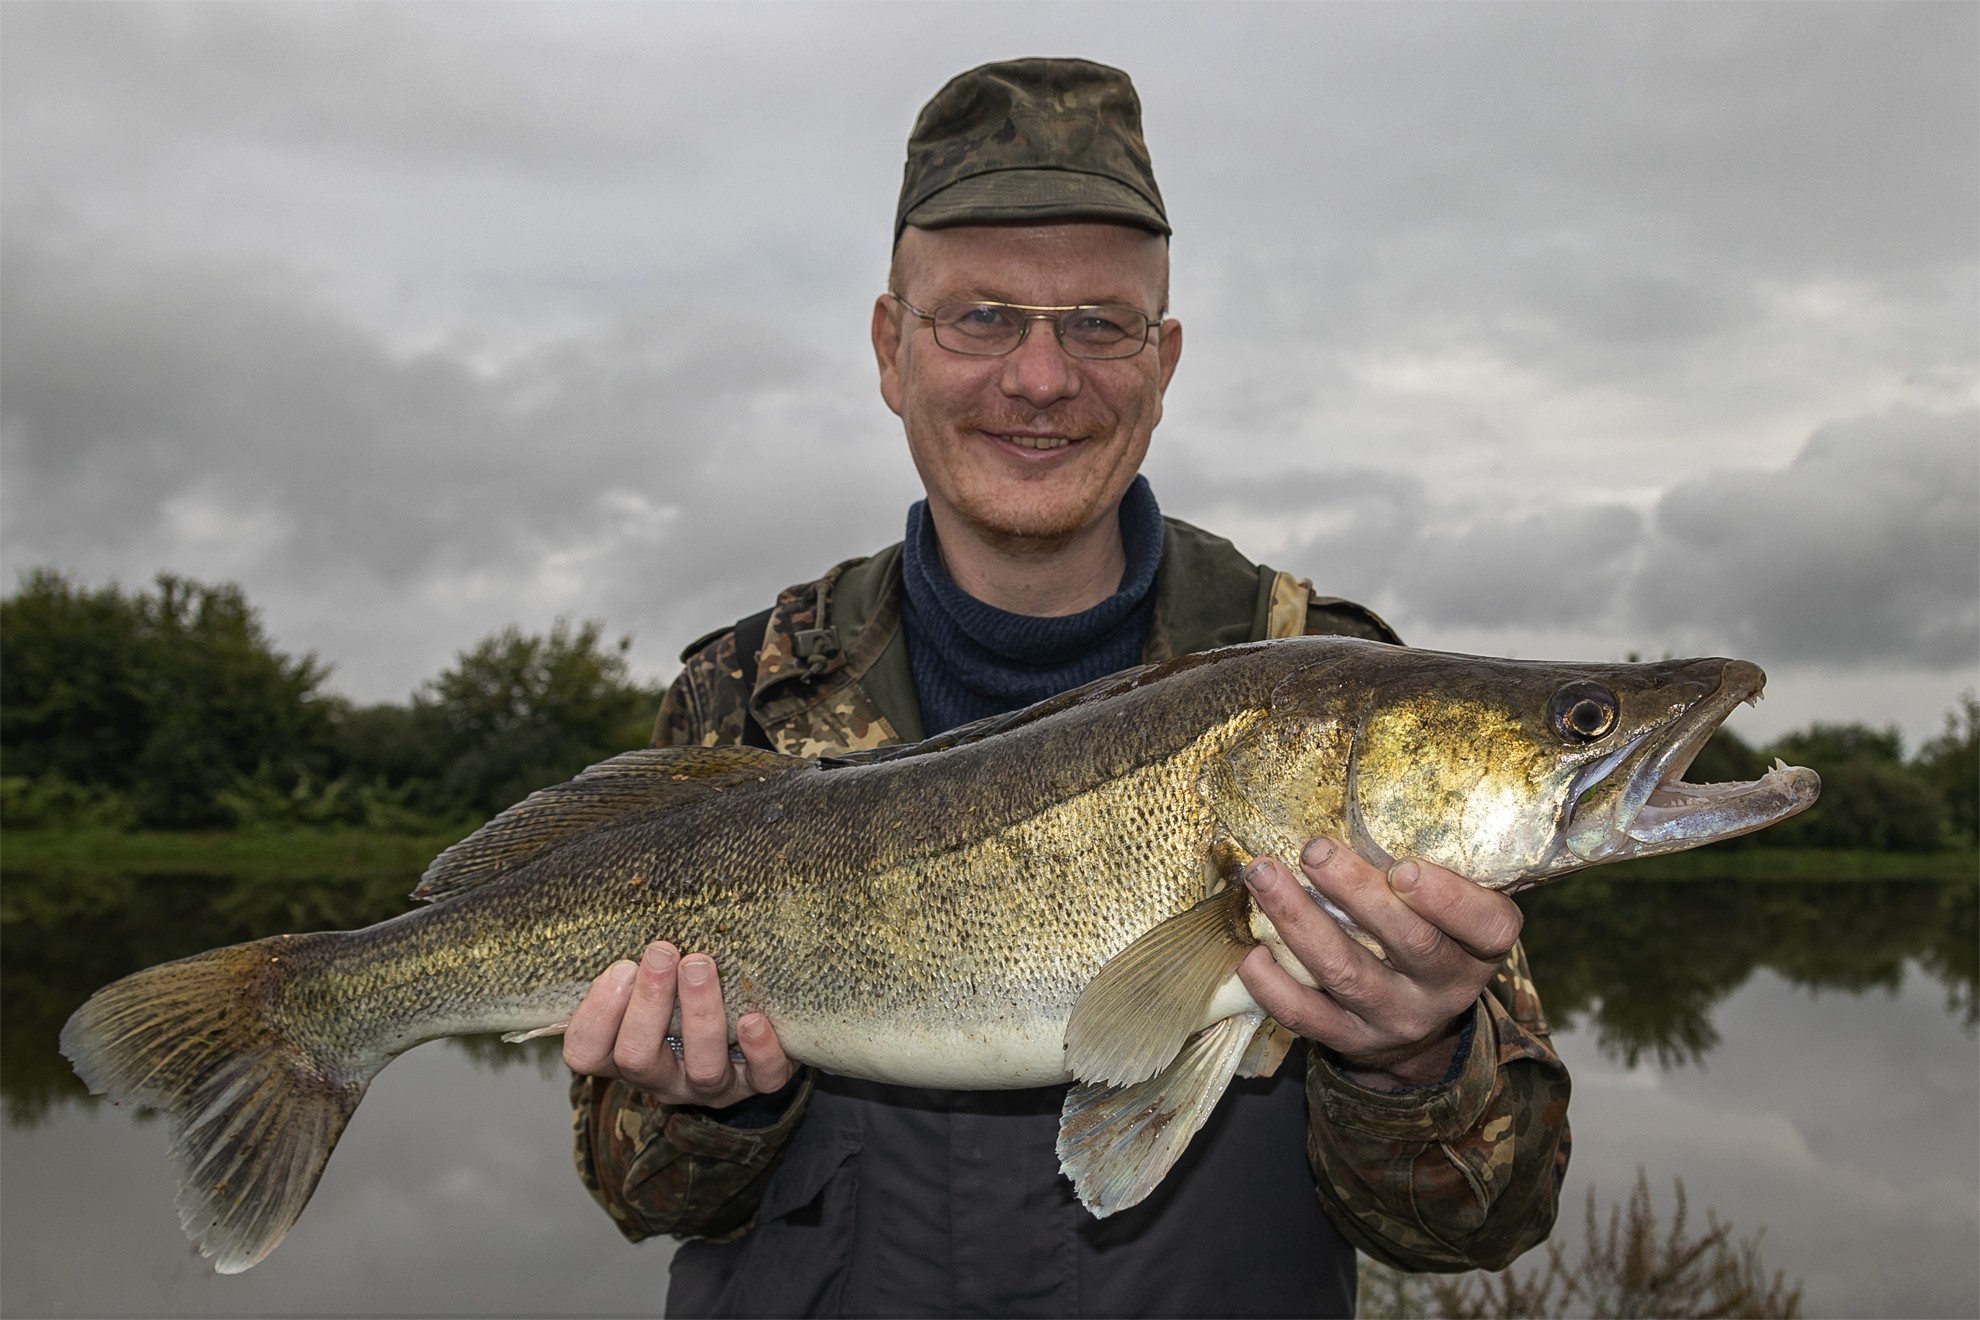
(1009, 517)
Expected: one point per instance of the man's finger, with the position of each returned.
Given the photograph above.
(1348, 973)
(704, 1026)
(594, 1025)
(1483, 923)
(1337, 962)
(765, 1068)
(641, 1052)
(1302, 1011)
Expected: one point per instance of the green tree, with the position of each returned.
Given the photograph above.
(518, 712)
(1950, 763)
(1870, 797)
(167, 696)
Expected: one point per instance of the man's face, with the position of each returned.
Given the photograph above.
(1036, 445)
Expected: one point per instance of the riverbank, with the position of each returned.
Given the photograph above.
(316, 853)
(319, 853)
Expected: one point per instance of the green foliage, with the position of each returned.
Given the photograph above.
(54, 802)
(172, 709)
(264, 801)
(1629, 1267)
(519, 712)
(164, 696)
(1950, 763)
(1870, 797)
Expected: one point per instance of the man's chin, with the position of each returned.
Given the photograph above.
(1038, 528)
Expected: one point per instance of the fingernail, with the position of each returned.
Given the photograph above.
(622, 972)
(1403, 878)
(658, 958)
(1254, 872)
(1317, 852)
(695, 971)
(751, 1026)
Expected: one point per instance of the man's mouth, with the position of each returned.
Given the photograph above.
(1038, 441)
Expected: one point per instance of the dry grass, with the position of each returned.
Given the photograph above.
(1629, 1267)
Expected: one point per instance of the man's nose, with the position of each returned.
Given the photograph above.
(1039, 370)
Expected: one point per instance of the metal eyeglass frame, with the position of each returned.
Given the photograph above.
(1056, 315)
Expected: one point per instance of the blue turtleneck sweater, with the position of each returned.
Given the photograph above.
(971, 660)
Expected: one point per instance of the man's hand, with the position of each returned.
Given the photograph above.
(1393, 1024)
(620, 1030)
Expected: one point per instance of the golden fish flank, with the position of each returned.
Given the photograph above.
(1039, 897)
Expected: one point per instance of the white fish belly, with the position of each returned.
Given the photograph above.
(998, 1056)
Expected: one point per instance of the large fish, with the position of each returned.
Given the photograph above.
(1041, 897)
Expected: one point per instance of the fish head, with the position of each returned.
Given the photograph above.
(1516, 772)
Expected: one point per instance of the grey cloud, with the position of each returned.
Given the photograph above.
(1864, 550)
(1866, 547)
(669, 472)
(1564, 567)
(421, 324)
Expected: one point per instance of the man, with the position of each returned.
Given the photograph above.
(1022, 341)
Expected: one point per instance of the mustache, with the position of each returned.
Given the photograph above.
(1074, 423)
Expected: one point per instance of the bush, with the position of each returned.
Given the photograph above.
(1633, 1267)
(519, 712)
(1870, 797)
(164, 697)
(1950, 764)
(54, 802)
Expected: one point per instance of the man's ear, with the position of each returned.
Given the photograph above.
(1168, 350)
(887, 349)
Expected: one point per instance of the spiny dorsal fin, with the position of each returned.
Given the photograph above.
(1117, 1142)
(1152, 996)
(633, 783)
(989, 726)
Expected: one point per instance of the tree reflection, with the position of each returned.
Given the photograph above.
(1648, 959)
(65, 934)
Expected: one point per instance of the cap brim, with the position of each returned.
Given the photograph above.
(1034, 195)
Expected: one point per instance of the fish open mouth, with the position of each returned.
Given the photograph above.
(1636, 802)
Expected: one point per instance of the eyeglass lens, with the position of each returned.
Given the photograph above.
(991, 329)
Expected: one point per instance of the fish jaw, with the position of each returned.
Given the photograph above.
(1639, 805)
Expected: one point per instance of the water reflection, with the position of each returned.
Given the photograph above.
(63, 935)
(1647, 960)
(1866, 1188)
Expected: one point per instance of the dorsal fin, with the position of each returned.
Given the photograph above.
(1100, 689)
(632, 783)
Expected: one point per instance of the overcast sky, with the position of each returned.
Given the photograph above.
(1543, 329)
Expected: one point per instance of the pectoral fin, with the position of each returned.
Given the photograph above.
(1268, 1049)
(1153, 995)
(1117, 1142)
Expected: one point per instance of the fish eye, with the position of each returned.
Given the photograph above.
(1583, 712)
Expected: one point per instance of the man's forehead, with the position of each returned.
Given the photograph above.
(1076, 261)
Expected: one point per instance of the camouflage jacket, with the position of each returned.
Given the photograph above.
(1458, 1176)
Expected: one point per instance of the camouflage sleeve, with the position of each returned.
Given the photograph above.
(659, 1168)
(1466, 1175)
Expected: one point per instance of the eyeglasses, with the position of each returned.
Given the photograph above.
(992, 329)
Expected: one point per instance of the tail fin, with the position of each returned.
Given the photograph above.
(254, 1111)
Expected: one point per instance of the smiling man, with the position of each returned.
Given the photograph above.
(1024, 343)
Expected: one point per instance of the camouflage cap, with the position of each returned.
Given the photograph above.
(1031, 139)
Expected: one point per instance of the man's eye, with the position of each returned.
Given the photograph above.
(978, 318)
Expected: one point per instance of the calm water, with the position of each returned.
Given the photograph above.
(1802, 1055)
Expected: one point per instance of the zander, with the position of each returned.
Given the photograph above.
(1036, 898)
